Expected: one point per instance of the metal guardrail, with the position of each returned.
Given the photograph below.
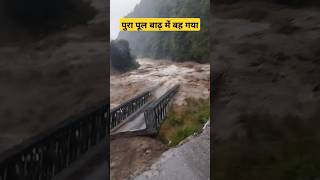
(121, 112)
(157, 111)
(46, 154)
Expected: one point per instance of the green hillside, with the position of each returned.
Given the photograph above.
(178, 46)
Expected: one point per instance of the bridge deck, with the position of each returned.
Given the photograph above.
(136, 124)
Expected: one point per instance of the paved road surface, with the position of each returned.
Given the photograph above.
(189, 161)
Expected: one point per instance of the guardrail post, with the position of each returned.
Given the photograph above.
(150, 120)
(157, 111)
(121, 112)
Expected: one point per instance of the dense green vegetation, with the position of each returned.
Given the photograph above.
(182, 123)
(270, 148)
(120, 56)
(178, 46)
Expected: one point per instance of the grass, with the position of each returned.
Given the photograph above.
(270, 148)
(184, 122)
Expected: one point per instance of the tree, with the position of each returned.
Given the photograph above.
(177, 46)
(120, 56)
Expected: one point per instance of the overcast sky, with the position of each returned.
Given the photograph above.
(118, 9)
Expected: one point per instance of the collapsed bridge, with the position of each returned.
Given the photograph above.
(142, 114)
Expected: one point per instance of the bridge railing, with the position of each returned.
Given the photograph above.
(121, 112)
(43, 156)
(156, 112)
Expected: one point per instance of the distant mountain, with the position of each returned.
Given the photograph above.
(178, 46)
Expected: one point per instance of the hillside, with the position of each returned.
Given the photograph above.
(178, 46)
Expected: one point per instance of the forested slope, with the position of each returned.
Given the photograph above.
(178, 46)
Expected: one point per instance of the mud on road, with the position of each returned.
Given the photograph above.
(131, 155)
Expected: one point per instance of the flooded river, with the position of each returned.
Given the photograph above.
(194, 80)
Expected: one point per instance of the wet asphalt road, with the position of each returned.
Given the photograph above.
(190, 161)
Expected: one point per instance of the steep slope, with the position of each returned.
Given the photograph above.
(179, 46)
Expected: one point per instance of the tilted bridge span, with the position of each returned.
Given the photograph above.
(142, 114)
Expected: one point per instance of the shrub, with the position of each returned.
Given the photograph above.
(181, 124)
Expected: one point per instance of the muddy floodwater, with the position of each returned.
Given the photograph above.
(193, 79)
(131, 156)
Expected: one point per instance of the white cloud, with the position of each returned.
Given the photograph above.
(119, 9)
